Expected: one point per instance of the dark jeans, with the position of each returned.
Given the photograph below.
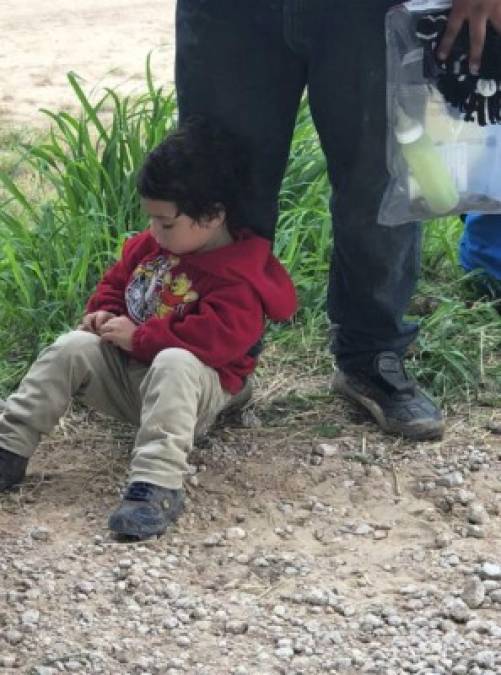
(248, 62)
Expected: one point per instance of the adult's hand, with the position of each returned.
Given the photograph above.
(476, 13)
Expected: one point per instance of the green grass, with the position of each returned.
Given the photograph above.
(67, 201)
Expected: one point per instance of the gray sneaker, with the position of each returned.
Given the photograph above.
(395, 401)
(146, 510)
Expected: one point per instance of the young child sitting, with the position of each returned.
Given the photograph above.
(166, 341)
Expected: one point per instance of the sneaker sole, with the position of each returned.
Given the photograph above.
(419, 431)
(126, 530)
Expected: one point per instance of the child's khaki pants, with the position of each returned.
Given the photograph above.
(171, 401)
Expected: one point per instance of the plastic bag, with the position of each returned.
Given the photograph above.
(438, 163)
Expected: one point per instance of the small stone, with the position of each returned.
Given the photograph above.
(490, 571)
(477, 514)
(125, 563)
(235, 533)
(475, 531)
(464, 497)
(491, 585)
(236, 627)
(326, 450)
(240, 670)
(30, 617)
(362, 529)
(394, 620)
(316, 596)
(495, 596)
(477, 626)
(342, 663)
(13, 637)
(474, 593)
(485, 659)
(261, 561)
(408, 590)
(7, 660)
(85, 587)
(183, 641)
(170, 622)
(443, 540)
(40, 534)
(451, 479)
(214, 539)
(458, 610)
(199, 613)
(371, 621)
(172, 590)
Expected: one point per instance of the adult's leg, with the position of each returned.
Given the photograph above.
(374, 269)
(233, 63)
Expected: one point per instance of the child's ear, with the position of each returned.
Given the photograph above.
(217, 220)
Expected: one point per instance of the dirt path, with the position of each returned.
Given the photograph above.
(311, 543)
(104, 42)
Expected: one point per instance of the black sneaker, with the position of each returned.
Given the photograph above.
(12, 469)
(146, 510)
(392, 398)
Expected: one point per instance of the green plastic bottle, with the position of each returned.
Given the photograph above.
(426, 165)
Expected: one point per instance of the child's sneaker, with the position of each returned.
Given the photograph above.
(146, 510)
(12, 469)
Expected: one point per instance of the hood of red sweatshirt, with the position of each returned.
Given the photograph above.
(250, 259)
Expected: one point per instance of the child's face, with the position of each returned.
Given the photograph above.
(181, 234)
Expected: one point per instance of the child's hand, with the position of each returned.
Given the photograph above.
(119, 331)
(92, 322)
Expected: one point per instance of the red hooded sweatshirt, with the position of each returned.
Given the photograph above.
(212, 303)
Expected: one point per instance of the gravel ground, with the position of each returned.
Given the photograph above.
(298, 552)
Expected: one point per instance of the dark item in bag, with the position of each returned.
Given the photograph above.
(477, 97)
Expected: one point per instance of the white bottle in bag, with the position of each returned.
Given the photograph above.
(426, 165)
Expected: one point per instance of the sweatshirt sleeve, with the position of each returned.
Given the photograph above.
(228, 323)
(110, 291)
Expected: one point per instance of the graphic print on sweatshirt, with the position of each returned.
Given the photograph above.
(154, 290)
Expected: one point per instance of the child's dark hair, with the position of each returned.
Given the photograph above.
(201, 167)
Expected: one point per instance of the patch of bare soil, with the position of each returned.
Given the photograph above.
(106, 43)
(311, 543)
